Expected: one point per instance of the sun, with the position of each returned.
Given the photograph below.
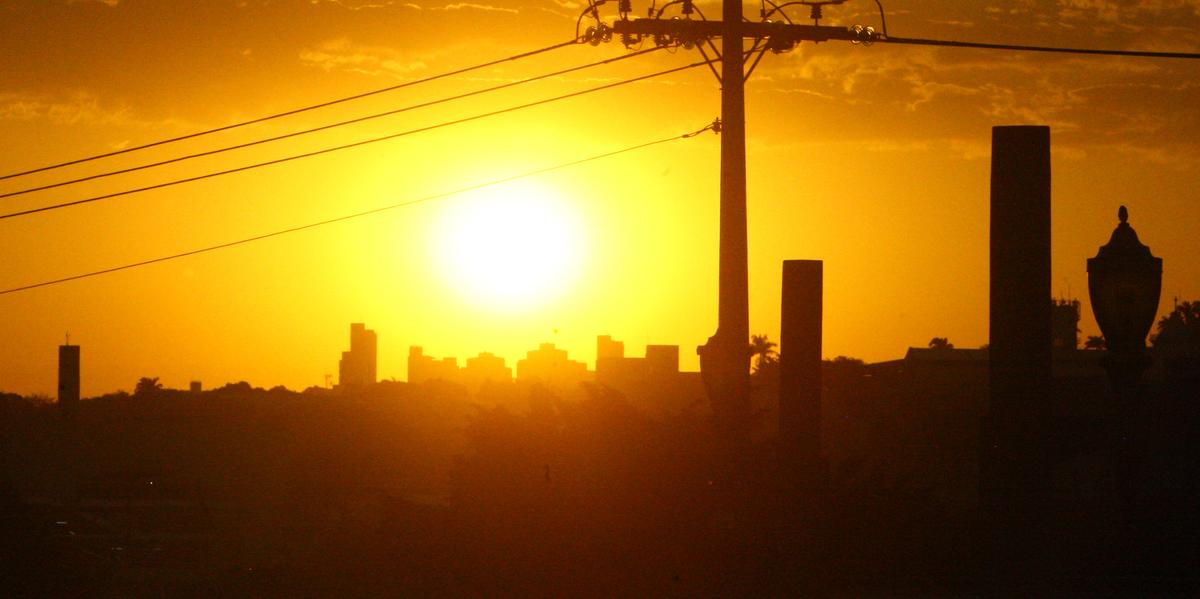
(509, 248)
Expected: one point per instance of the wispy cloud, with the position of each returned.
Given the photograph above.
(344, 55)
(356, 4)
(474, 6)
(77, 109)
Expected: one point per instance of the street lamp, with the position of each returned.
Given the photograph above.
(1124, 282)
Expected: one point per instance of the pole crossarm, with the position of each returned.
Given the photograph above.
(785, 33)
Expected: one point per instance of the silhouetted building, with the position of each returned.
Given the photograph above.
(68, 380)
(652, 383)
(423, 368)
(1064, 326)
(485, 368)
(662, 360)
(607, 348)
(357, 367)
(194, 386)
(478, 371)
(551, 367)
(800, 366)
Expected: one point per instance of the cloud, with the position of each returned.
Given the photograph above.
(474, 6)
(356, 4)
(78, 109)
(1089, 101)
(344, 55)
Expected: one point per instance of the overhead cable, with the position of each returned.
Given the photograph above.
(914, 41)
(713, 126)
(329, 126)
(296, 110)
(351, 145)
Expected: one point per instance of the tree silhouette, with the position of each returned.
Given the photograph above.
(763, 352)
(1095, 342)
(1180, 327)
(940, 343)
(147, 386)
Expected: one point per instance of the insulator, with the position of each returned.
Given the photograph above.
(863, 35)
(687, 7)
(869, 36)
(625, 6)
(816, 12)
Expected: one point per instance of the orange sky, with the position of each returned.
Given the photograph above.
(872, 159)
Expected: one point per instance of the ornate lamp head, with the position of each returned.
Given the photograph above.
(1124, 282)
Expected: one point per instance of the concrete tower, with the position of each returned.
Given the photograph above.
(68, 380)
(1013, 448)
(800, 365)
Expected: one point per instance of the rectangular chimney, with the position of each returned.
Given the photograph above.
(800, 363)
(1020, 320)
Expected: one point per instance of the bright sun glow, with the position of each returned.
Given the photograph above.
(509, 248)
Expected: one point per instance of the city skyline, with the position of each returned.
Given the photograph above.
(871, 159)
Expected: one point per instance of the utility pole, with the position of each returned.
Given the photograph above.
(725, 358)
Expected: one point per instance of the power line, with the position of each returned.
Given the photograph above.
(914, 41)
(329, 126)
(350, 145)
(295, 110)
(714, 126)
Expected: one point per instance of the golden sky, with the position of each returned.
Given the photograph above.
(873, 159)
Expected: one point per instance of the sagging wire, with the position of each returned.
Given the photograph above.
(882, 17)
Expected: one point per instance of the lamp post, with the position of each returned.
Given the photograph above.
(1124, 282)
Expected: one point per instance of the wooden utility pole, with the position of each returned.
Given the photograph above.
(725, 358)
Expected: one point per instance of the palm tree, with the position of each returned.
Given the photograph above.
(763, 352)
(1180, 327)
(147, 386)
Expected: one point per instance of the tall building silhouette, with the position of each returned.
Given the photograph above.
(357, 367)
(68, 380)
(662, 360)
(652, 383)
(550, 366)
(607, 348)
(1065, 323)
(423, 368)
(485, 368)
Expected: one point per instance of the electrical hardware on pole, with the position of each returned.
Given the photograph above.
(725, 359)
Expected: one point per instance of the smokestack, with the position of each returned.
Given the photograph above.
(800, 365)
(1020, 320)
(1013, 460)
(68, 380)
